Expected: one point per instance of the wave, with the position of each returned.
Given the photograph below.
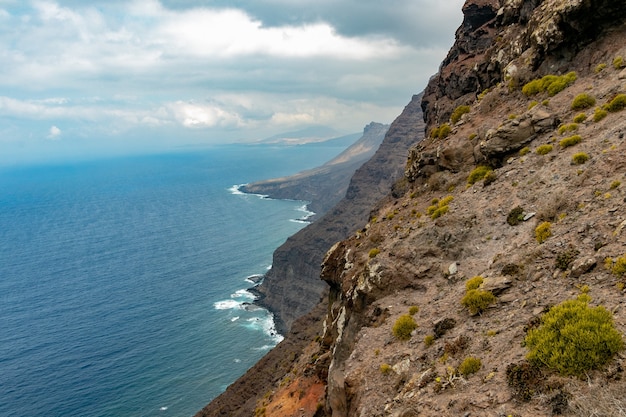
(227, 305)
(236, 190)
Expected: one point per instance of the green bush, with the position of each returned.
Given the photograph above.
(617, 104)
(543, 150)
(478, 174)
(618, 63)
(570, 141)
(574, 338)
(580, 117)
(413, 310)
(385, 368)
(429, 340)
(553, 84)
(583, 101)
(618, 268)
(439, 207)
(599, 68)
(470, 365)
(458, 113)
(477, 301)
(515, 216)
(524, 150)
(532, 104)
(441, 131)
(580, 158)
(403, 327)
(374, 252)
(543, 232)
(569, 127)
(599, 114)
(439, 212)
(473, 283)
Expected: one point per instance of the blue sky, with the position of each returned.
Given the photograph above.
(97, 77)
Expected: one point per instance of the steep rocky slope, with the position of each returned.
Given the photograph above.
(544, 223)
(326, 185)
(292, 287)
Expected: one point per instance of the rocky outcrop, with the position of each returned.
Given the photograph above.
(323, 187)
(292, 287)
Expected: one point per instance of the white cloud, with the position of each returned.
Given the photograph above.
(197, 115)
(54, 133)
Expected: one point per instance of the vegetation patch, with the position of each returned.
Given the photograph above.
(473, 283)
(583, 101)
(439, 207)
(617, 104)
(618, 62)
(565, 258)
(574, 338)
(385, 368)
(524, 379)
(617, 266)
(580, 158)
(373, 252)
(543, 149)
(543, 232)
(477, 301)
(569, 127)
(403, 327)
(524, 150)
(478, 173)
(413, 310)
(515, 216)
(457, 346)
(553, 84)
(441, 131)
(429, 340)
(470, 365)
(442, 326)
(580, 117)
(599, 114)
(458, 113)
(599, 68)
(570, 141)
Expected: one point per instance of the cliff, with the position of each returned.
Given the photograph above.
(323, 187)
(292, 286)
(513, 205)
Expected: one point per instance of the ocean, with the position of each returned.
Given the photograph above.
(123, 281)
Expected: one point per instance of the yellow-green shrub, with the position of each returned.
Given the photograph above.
(569, 127)
(385, 368)
(543, 232)
(543, 149)
(403, 327)
(617, 267)
(413, 310)
(429, 340)
(618, 62)
(478, 174)
(574, 338)
(553, 84)
(458, 113)
(580, 158)
(470, 365)
(532, 104)
(599, 68)
(524, 150)
(373, 252)
(599, 114)
(477, 301)
(441, 131)
(570, 141)
(617, 104)
(583, 101)
(473, 283)
(580, 117)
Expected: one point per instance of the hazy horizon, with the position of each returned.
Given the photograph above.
(117, 77)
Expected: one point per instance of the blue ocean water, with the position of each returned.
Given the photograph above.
(122, 281)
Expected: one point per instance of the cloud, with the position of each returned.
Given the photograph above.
(54, 133)
(230, 68)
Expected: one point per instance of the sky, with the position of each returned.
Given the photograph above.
(116, 76)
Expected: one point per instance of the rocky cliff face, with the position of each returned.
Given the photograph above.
(541, 221)
(293, 287)
(326, 185)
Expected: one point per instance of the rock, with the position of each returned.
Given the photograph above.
(453, 269)
(529, 216)
(622, 74)
(497, 285)
(402, 368)
(581, 266)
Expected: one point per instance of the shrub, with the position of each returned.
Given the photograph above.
(570, 127)
(543, 232)
(515, 216)
(439, 207)
(615, 184)
(543, 150)
(478, 174)
(385, 368)
(439, 212)
(583, 101)
(619, 267)
(599, 68)
(599, 114)
(374, 252)
(524, 150)
(473, 283)
(441, 131)
(429, 340)
(532, 104)
(477, 301)
(553, 84)
(458, 113)
(570, 141)
(490, 178)
(573, 338)
(403, 327)
(470, 365)
(580, 117)
(413, 310)
(617, 104)
(565, 258)
(618, 62)
(580, 158)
